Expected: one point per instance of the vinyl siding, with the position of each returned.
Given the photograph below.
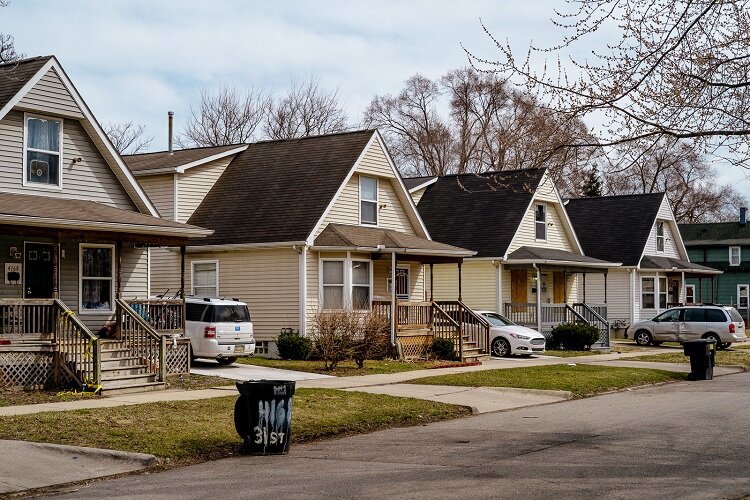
(160, 189)
(195, 183)
(49, 95)
(670, 246)
(374, 162)
(557, 237)
(618, 293)
(382, 272)
(92, 179)
(417, 195)
(478, 283)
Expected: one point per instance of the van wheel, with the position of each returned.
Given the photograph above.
(642, 337)
(225, 361)
(716, 339)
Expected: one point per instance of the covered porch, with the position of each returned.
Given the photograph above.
(666, 280)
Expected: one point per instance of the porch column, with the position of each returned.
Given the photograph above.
(118, 251)
(683, 290)
(605, 288)
(460, 299)
(182, 271)
(657, 301)
(538, 299)
(432, 283)
(584, 288)
(499, 292)
(393, 299)
(56, 270)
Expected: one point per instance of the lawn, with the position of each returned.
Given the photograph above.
(734, 358)
(570, 354)
(581, 380)
(347, 368)
(181, 432)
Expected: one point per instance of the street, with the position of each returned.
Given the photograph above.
(686, 440)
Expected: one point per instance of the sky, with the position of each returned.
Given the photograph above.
(135, 60)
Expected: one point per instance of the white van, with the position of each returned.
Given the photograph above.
(219, 329)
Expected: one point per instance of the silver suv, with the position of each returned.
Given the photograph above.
(678, 324)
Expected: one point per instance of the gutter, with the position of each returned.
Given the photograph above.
(406, 251)
(108, 226)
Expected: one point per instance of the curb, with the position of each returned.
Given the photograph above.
(540, 392)
(143, 459)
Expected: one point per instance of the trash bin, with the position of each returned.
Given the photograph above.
(701, 353)
(263, 416)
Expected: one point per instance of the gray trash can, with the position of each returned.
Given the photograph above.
(702, 354)
(263, 416)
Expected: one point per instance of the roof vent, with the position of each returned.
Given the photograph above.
(743, 216)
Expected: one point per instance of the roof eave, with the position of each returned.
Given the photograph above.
(188, 232)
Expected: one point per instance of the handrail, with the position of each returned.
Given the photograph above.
(604, 330)
(592, 311)
(164, 315)
(79, 346)
(576, 313)
(445, 327)
(483, 343)
(141, 339)
(445, 315)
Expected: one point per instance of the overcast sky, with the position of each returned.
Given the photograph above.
(135, 60)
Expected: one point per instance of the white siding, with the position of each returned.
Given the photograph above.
(195, 183)
(160, 189)
(670, 246)
(478, 283)
(417, 195)
(374, 162)
(618, 293)
(382, 272)
(50, 96)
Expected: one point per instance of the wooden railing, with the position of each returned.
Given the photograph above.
(163, 315)
(474, 328)
(33, 319)
(445, 327)
(141, 339)
(521, 313)
(414, 315)
(382, 307)
(79, 348)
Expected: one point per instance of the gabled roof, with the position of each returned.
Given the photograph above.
(715, 233)
(14, 75)
(416, 183)
(672, 264)
(615, 228)
(161, 162)
(277, 191)
(479, 211)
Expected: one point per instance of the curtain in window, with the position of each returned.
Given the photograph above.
(333, 284)
(360, 285)
(96, 278)
(205, 283)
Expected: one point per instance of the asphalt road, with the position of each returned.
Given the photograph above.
(687, 440)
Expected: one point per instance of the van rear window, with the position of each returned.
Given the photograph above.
(735, 315)
(230, 314)
(715, 316)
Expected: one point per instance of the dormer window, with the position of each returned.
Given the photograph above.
(540, 216)
(42, 151)
(659, 236)
(368, 200)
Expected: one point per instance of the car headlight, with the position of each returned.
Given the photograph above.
(519, 336)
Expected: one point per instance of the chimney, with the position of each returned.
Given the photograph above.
(170, 114)
(743, 216)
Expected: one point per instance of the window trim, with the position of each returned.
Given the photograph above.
(656, 293)
(192, 275)
(662, 237)
(376, 201)
(543, 223)
(352, 285)
(746, 287)
(322, 285)
(689, 287)
(112, 291)
(348, 282)
(739, 255)
(26, 149)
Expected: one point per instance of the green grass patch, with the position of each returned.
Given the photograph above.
(183, 432)
(581, 380)
(347, 368)
(570, 354)
(725, 358)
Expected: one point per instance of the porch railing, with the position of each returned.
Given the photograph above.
(142, 340)
(414, 315)
(163, 315)
(33, 319)
(596, 315)
(78, 347)
(521, 313)
(445, 327)
(474, 328)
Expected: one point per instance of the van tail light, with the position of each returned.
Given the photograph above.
(210, 332)
(732, 327)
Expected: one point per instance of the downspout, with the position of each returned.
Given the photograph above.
(302, 288)
(632, 298)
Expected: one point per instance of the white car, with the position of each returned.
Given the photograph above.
(219, 329)
(508, 338)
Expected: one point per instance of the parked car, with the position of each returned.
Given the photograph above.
(219, 329)
(508, 338)
(678, 324)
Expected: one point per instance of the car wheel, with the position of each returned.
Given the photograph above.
(642, 337)
(500, 348)
(716, 339)
(225, 361)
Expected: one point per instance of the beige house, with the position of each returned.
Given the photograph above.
(300, 226)
(74, 227)
(529, 265)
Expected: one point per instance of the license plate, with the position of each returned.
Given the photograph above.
(239, 348)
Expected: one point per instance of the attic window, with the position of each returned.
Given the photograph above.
(368, 200)
(42, 151)
(540, 216)
(659, 236)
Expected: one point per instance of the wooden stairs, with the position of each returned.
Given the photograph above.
(124, 373)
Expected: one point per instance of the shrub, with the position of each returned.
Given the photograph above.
(293, 346)
(443, 349)
(371, 338)
(333, 332)
(574, 336)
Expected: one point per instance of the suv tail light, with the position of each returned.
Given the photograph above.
(210, 332)
(732, 327)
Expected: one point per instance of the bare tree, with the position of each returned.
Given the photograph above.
(676, 69)
(305, 110)
(7, 47)
(224, 117)
(128, 138)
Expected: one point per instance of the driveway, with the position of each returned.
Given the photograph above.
(240, 371)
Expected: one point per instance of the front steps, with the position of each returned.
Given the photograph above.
(123, 373)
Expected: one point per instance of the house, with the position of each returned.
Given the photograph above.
(303, 226)
(724, 246)
(74, 227)
(528, 259)
(640, 231)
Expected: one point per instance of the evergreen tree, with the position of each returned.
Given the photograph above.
(593, 185)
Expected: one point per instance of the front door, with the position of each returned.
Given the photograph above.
(37, 271)
(402, 283)
(544, 289)
(558, 287)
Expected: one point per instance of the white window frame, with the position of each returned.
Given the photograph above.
(348, 285)
(322, 284)
(26, 149)
(662, 291)
(376, 201)
(192, 275)
(653, 293)
(81, 279)
(352, 284)
(746, 287)
(687, 294)
(660, 237)
(543, 223)
(739, 256)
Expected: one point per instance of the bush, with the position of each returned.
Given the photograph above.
(443, 349)
(293, 346)
(574, 336)
(334, 332)
(371, 339)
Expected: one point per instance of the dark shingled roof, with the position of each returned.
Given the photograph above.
(343, 235)
(553, 254)
(715, 233)
(614, 228)
(654, 262)
(276, 191)
(14, 75)
(480, 212)
(142, 163)
(413, 182)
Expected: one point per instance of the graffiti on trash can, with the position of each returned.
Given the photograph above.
(274, 420)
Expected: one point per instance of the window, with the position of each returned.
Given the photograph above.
(42, 151)
(735, 256)
(96, 271)
(742, 296)
(662, 293)
(695, 315)
(541, 221)
(360, 284)
(368, 200)
(690, 294)
(659, 236)
(205, 278)
(333, 284)
(715, 316)
(669, 316)
(648, 295)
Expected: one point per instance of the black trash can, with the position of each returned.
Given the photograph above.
(702, 354)
(263, 415)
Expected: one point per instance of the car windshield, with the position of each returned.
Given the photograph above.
(231, 314)
(497, 320)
